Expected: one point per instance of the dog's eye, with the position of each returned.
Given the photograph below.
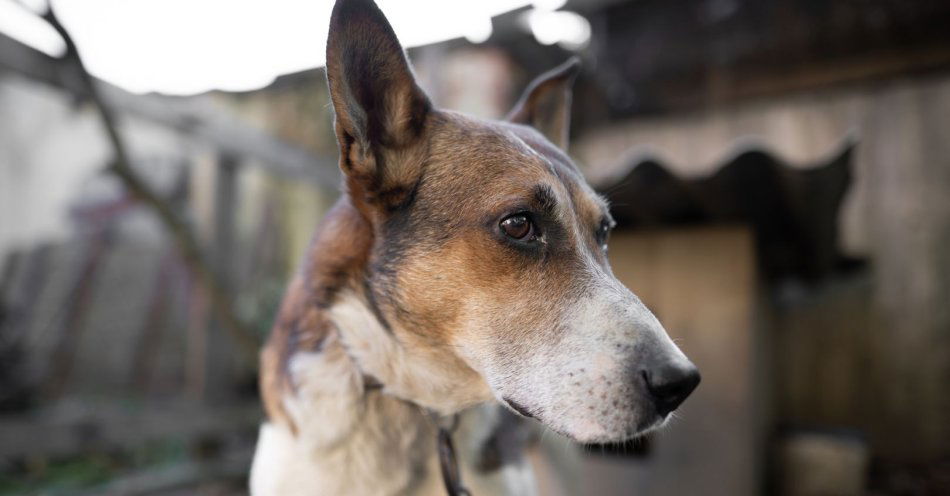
(603, 232)
(517, 226)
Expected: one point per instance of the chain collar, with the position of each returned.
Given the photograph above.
(448, 462)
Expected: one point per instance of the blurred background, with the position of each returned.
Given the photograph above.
(780, 171)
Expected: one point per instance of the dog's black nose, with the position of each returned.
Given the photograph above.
(670, 384)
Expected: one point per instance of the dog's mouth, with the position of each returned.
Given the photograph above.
(651, 423)
(643, 427)
(519, 408)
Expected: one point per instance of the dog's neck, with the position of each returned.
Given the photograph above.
(328, 344)
(347, 439)
(342, 414)
(407, 367)
(337, 295)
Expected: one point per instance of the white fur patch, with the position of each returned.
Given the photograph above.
(410, 369)
(354, 442)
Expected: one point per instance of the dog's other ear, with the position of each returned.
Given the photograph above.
(546, 104)
(380, 110)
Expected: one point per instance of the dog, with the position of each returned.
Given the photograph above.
(465, 264)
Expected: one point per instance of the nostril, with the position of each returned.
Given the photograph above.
(670, 384)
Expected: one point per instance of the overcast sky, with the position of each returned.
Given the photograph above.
(191, 46)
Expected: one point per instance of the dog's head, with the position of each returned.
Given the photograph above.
(490, 249)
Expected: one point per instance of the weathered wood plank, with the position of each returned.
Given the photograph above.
(182, 477)
(105, 427)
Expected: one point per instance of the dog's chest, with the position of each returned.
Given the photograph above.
(386, 452)
(391, 451)
(349, 441)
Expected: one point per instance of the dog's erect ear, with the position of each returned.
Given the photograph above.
(378, 105)
(546, 104)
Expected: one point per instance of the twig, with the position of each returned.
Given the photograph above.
(180, 231)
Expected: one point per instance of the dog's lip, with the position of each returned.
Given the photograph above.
(647, 426)
(653, 423)
(642, 427)
(518, 408)
(640, 430)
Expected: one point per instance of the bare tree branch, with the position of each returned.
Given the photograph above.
(183, 236)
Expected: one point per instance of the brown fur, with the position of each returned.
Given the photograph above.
(416, 233)
(547, 103)
(335, 259)
(441, 247)
(416, 279)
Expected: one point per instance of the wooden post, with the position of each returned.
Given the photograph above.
(225, 237)
(221, 364)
